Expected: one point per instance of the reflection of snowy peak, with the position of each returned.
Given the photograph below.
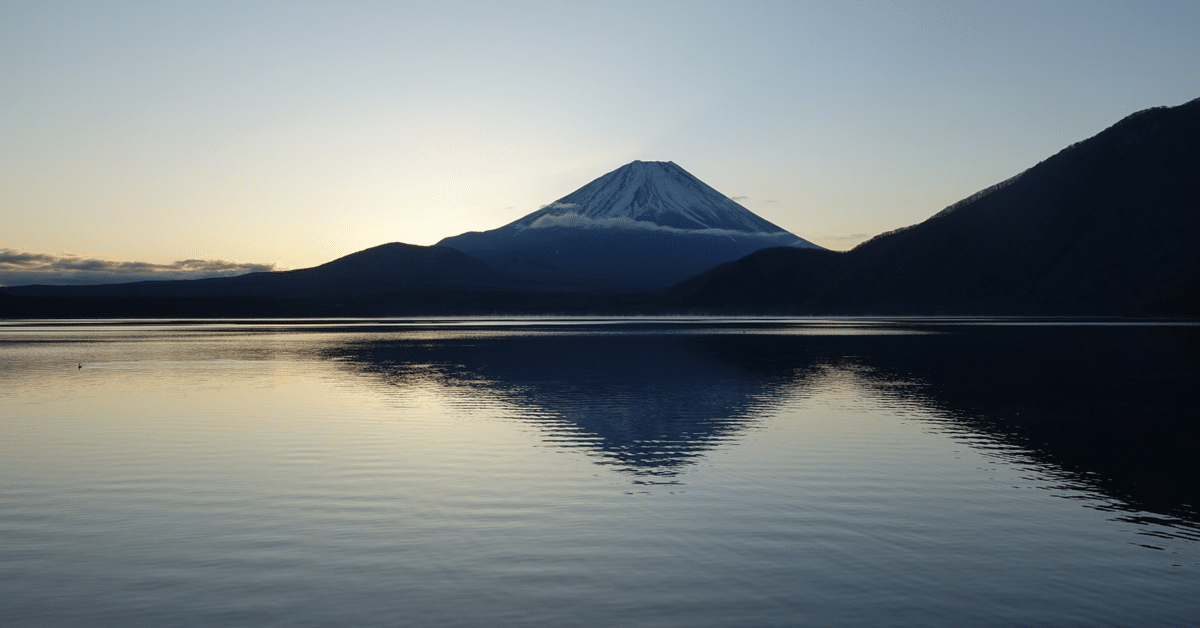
(648, 194)
(645, 225)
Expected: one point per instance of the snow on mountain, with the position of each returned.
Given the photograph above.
(650, 195)
(645, 225)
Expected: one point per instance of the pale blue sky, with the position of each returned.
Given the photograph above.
(296, 132)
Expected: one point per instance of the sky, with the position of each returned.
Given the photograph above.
(191, 138)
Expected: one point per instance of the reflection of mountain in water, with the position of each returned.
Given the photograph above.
(1113, 406)
(647, 403)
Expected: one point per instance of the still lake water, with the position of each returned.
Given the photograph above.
(573, 472)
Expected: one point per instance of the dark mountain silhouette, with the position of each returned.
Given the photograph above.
(645, 225)
(1108, 226)
(390, 279)
(1179, 299)
(775, 279)
(384, 268)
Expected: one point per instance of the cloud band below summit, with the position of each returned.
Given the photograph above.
(578, 221)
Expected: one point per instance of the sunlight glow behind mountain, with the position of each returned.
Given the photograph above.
(247, 131)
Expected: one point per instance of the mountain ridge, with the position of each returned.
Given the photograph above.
(654, 193)
(645, 225)
(384, 268)
(1099, 228)
(1104, 227)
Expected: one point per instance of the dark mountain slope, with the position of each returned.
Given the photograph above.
(775, 280)
(1108, 226)
(391, 267)
(1178, 299)
(1096, 229)
(385, 268)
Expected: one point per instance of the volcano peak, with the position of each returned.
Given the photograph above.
(648, 195)
(646, 224)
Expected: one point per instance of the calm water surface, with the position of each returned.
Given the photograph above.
(573, 472)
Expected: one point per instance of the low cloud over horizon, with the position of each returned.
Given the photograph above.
(22, 268)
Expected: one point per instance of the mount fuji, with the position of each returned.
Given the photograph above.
(645, 225)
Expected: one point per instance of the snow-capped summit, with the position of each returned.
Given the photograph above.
(647, 195)
(645, 225)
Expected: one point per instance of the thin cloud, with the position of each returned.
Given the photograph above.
(558, 205)
(19, 268)
(738, 199)
(853, 236)
(574, 220)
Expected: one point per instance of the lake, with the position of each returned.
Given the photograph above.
(599, 472)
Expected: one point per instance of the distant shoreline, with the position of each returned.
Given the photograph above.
(477, 304)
